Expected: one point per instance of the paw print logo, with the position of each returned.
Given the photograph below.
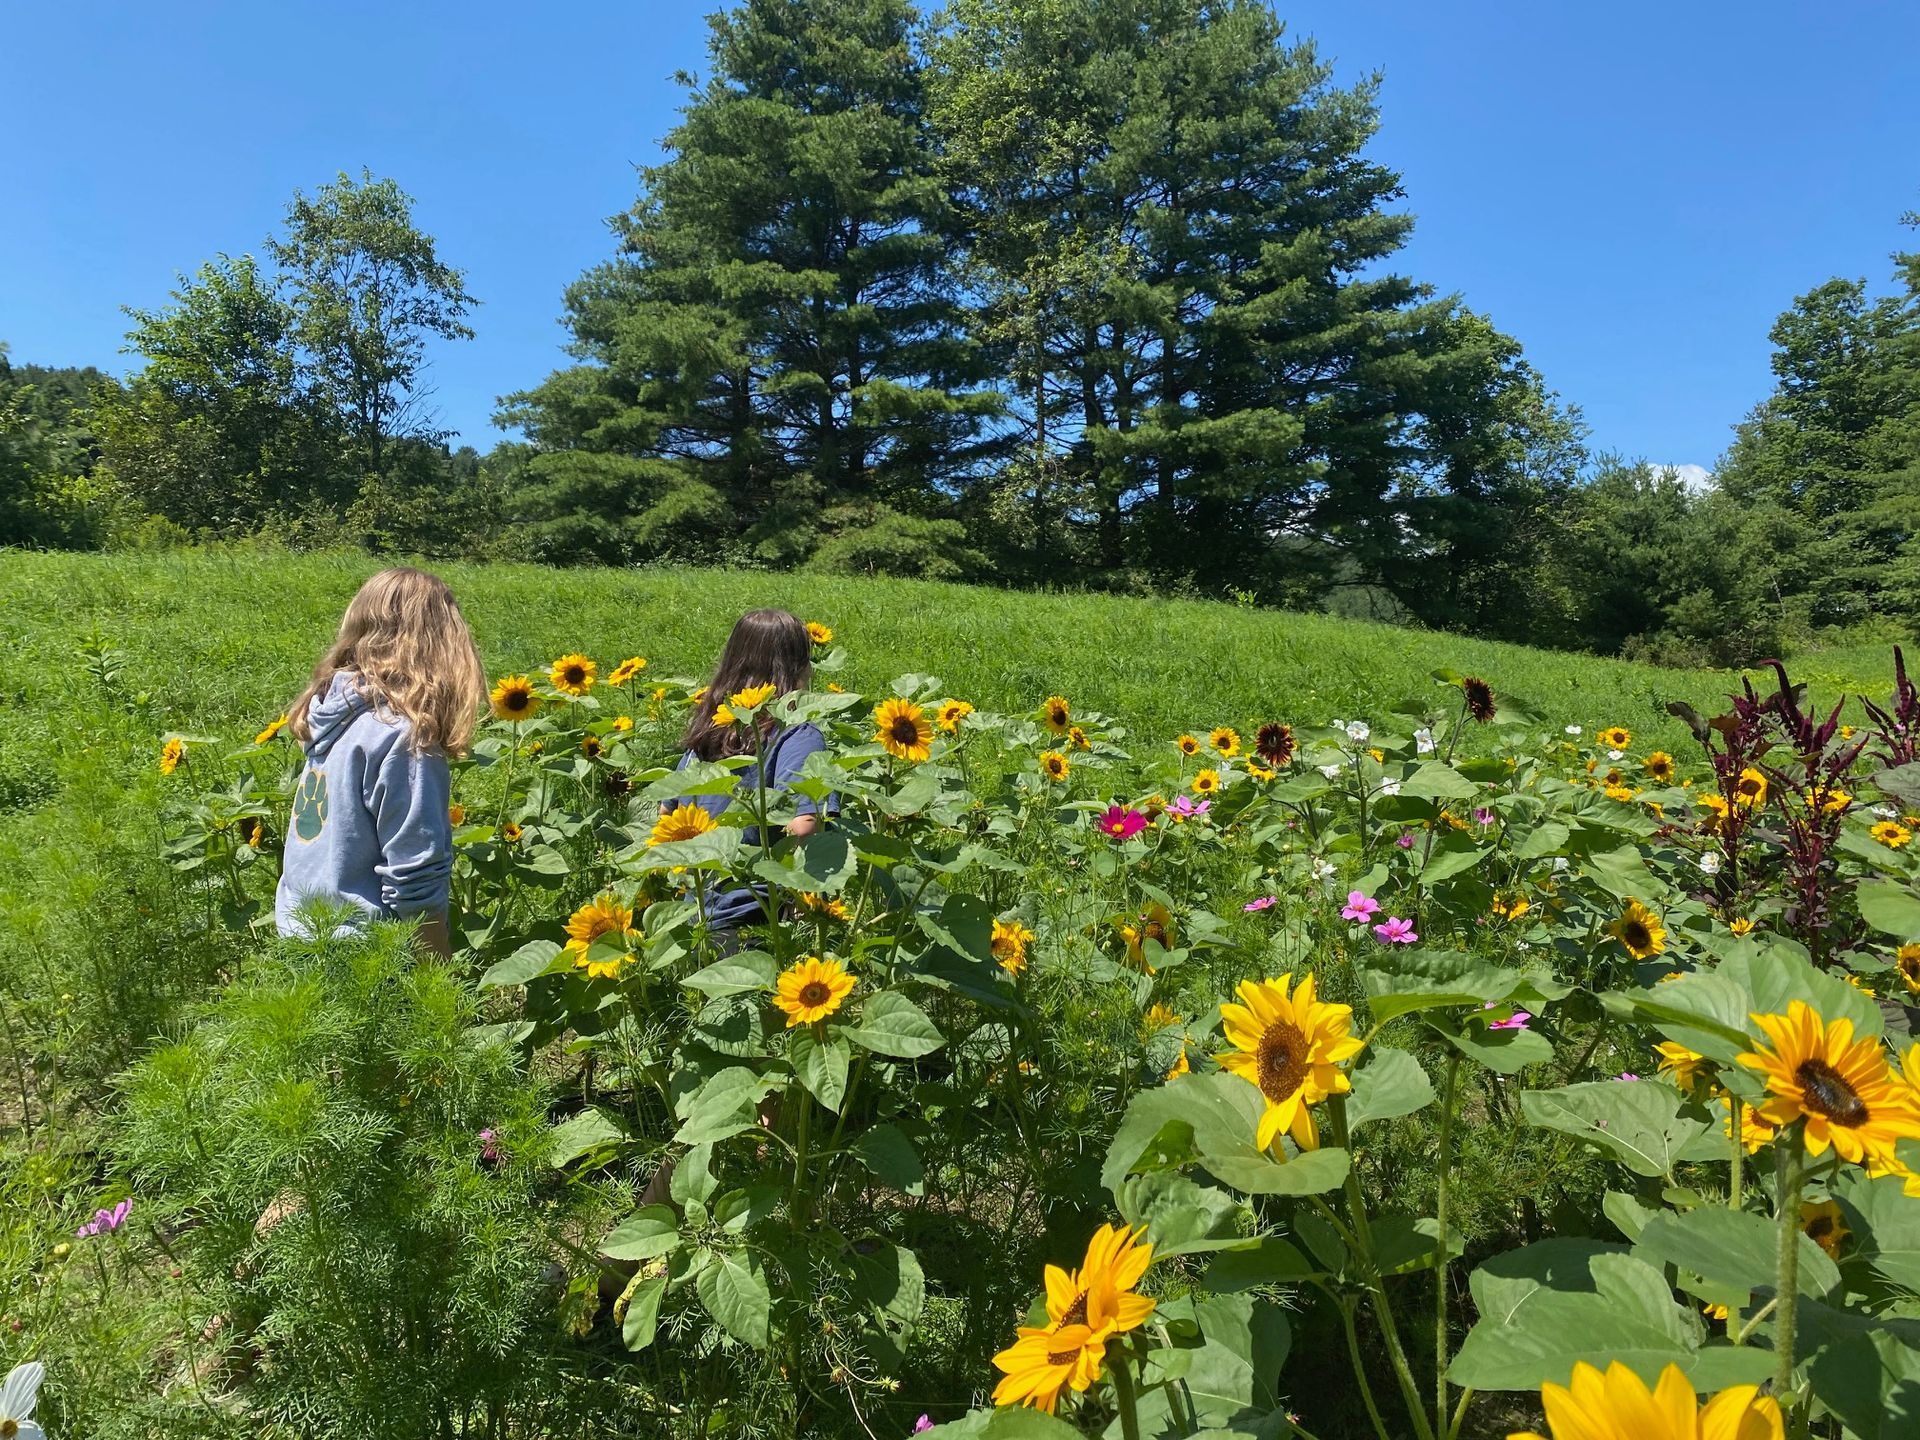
(310, 806)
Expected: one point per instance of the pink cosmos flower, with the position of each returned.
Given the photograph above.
(1395, 931)
(1186, 808)
(1359, 906)
(1405, 842)
(1516, 1021)
(1626, 1075)
(1265, 902)
(1123, 822)
(1483, 816)
(106, 1220)
(925, 1422)
(489, 1146)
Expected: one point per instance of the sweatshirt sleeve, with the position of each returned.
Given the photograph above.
(790, 757)
(409, 802)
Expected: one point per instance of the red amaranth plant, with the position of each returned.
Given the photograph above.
(1898, 726)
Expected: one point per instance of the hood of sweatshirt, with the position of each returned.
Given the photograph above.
(329, 715)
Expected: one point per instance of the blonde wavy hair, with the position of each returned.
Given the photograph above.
(403, 635)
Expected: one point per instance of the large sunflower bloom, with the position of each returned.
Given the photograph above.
(1891, 833)
(1750, 789)
(513, 697)
(1086, 1308)
(1618, 1406)
(1054, 766)
(1274, 744)
(811, 990)
(1851, 1099)
(600, 917)
(951, 713)
(751, 696)
(819, 634)
(1206, 782)
(1615, 737)
(1056, 714)
(1659, 766)
(572, 674)
(1187, 745)
(683, 822)
(1044, 1361)
(1640, 930)
(1290, 1045)
(903, 730)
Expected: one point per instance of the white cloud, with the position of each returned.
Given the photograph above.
(1695, 477)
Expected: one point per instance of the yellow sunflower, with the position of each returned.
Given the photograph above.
(827, 906)
(1153, 923)
(1158, 1017)
(818, 633)
(171, 754)
(811, 990)
(1716, 815)
(1188, 745)
(1640, 930)
(1906, 964)
(1260, 772)
(591, 746)
(903, 730)
(1054, 766)
(1045, 1360)
(572, 674)
(1290, 1045)
(1510, 909)
(513, 697)
(683, 822)
(1077, 739)
(622, 723)
(257, 836)
(750, 697)
(510, 832)
(1741, 926)
(1621, 793)
(1659, 766)
(273, 728)
(1206, 782)
(950, 713)
(1850, 1098)
(628, 669)
(1750, 790)
(1690, 1069)
(1755, 1132)
(1615, 737)
(1056, 714)
(723, 716)
(456, 814)
(1225, 740)
(599, 918)
(1086, 1308)
(1618, 1406)
(1824, 1224)
(1181, 1065)
(1890, 833)
(1009, 944)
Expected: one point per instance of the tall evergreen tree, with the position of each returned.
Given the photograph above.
(775, 359)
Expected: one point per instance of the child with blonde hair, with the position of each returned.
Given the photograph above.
(397, 693)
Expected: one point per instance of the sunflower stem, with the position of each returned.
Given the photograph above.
(1440, 1254)
(1737, 1185)
(1123, 1395)
(1789, 1171)
(1459, 1413)
(1345, 1305)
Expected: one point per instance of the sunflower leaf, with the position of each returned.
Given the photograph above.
(1731, 1248)
(885, 1150)
(648, 1232)
(1437, 780)
(733, 1287)
(891, 1024)
(1643, 1124)
(822, 1067)
(1389, 1085)
(531, 960)
(642, 1319)
(749, 970)
(1890, 908)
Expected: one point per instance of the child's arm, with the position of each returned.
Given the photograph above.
(409, 804)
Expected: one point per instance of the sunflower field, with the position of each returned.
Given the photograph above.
(1432, 1071)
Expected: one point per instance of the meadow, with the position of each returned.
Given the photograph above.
(1367, 1064)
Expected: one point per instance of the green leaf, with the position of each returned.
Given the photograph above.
(531, 960)
(1400, 982)
(1236, 1372)
(1269, 1261)
(1865, 1368)
(741, 1210)
(591, 1130)
(643, 1312)
(738, 974)
(1641, 1123)
(885, 1150)
(715, 850)
(1213, 1117)
(1014, 1422)
(723, 1105)
(1780, 973)
(1886, 1228)
(1389, 1085)
(1624, 874)
(821, 1066)
(1732, 1249)
(1181, 1217)
(1506, 1052)
(649, 1231)
(1891, 908)
(700, 777)
(1438, 781)
(891, 1024)
(965, 926)
(889, 1278)
(733, 1287)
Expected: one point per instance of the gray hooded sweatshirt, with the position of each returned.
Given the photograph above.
(370, 826)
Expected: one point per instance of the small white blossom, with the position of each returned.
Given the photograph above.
(1615, 754)
(1323, 870)
(1559, 863)
(1573, 729)
(1358, 732)
(1423, 741)
(1710, 863)
(1332, 772)
(1338, 724)
(1389, 787)
(1886, 812)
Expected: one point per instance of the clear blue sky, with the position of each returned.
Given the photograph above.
(1634, 190)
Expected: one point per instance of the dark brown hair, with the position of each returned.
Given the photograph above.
(767, 647)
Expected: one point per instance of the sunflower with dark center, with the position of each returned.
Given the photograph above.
(1077, 739)
(1056, 714)
(1615, 737)
(1906, 963)
(1225, 740)
(1154, 924)
(950, 713)
(903, 730)
(1086, 1308)
(1188, 745)
(683, 822)
(1289, 1045)
(1274, 744)
(1009, 945)
(513, 698)
(573, 674)
(1850, 1098)
(1659, 766)
(1206, 782)
(591, 747)
(1890, 833)
(1640, 931)
(819, 634)
(171, 754)
(627, 670)
(1750, 789)
(1054, 766)
(1822, 1222)
(1479, 698)
(811, 990)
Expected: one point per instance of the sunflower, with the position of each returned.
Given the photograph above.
(1716, 815)
(1614, 737)
(1054, 765)
(723, 716)
(1850, 1098)
(171, 754)
(1077, 739)
(950, 713)
(1890, 833)
(826, 906)
(1056, 714)
(1261, 772)
(590, 746)
(1226, 740)
(572, 674)
(1155, 924)
(1158, 1017)
(510, 832)
(1906, 963)
(1188, 745)
(1479, 698)
(1181, 1065)
(1618, 1406)
(513, 697)
(1750, 790)
(1086, 1308)
(1659, 766)
(1009, 945)
(1640, 930)
(257, 836)
(599, 918)
(1822, 1223)
(1691, 1070)
(1621, 793)
(811, 990)
(456, 814)
(622, 723)
(819, 634)
(1830, 802)
(683, 822)
(1045, 1360)
(1755, 1133)
(627, 670)
(1742, 926)
(1510, 909)
(752, 696)
(273, 728)
(1290, 1045)
(1206, 782)
(1274, 744)
(903, 730)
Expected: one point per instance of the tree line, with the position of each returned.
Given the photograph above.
(1044, 292)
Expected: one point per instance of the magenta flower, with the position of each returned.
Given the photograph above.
(1359, 907)
(1626, 1075)
(489, 1146)
(1516, 1021)
(1395, 931)
(106, 1220)
(1405, 842)
(1483, 816)
(1265, 902)
(1186, 808)
(925, 1422)
(1122, 822)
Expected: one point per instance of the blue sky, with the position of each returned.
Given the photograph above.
(1633, 190)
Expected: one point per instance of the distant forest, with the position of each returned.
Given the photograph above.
(1083, 293)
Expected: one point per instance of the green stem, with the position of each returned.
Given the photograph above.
(1737, 1186)
(1440, 1255)
(1123, 1395)
(1345, 1305)
(796, 1201)
(1789, 1170)
(1459, 1413)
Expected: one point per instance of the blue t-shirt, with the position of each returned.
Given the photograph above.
(787, 753)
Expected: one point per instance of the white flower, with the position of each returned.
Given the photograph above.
(1710, 863)
(1886, 812)
(1358, 732)
(1323, 870)
(1573, 729)
(16, 1402)
(1615, 754)
(1332, 772)
(1423, 741)
(1559, 863)
(1338, 724)
(1389, 787)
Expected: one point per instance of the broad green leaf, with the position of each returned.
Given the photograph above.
(649, 1231)
(1627, 1213)
(531, 960)
(1181, 1217)
(1013, 1422)
(885, 1150)
(1506, 1052)
(591, 1130)
(733, 1287)
(1213, 1117)
(888, 1277)
(741, 1210)
(1451, 856)
(723, 1105)
(643, 1312)
(1886, 1229)
(1624, 874)
(1641, 1123)
(1438, 781)
(965, 926)
(1402, 981)
(1891, 908)
(749, 970)
(1403, 1244)
(821, 1065)
(1780, 974)
(891, 1024)
(1549, 837)
(700, 777)
(1237, 1370)
(1865, 1368)
(1389, 1085)
(1704, 1010)
(1731, 1248)
(1270, 1261)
